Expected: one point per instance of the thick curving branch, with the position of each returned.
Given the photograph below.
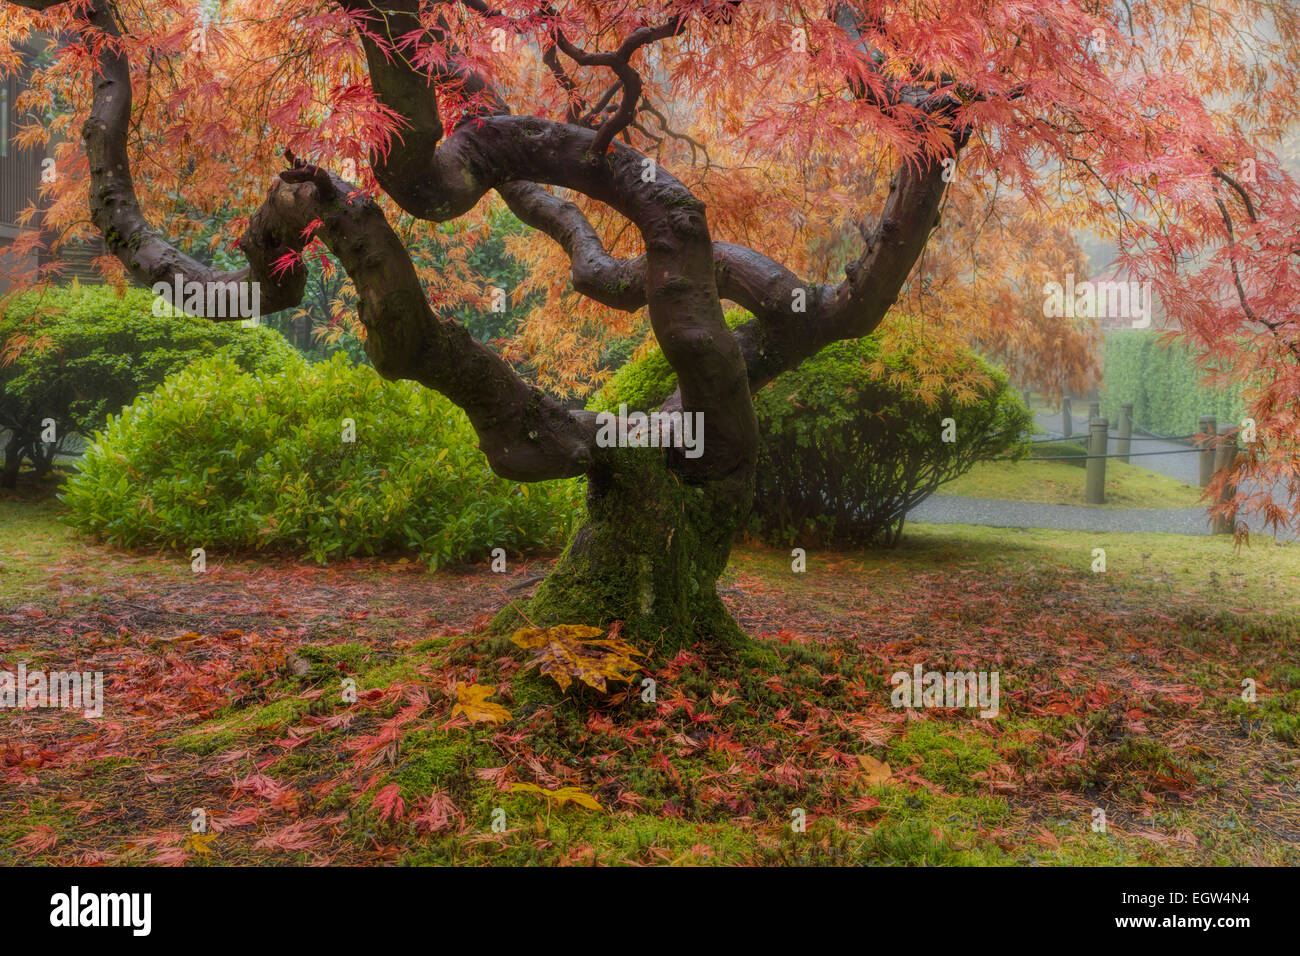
(442, 180)
(525, 435)
(617, 283)
(777, 340)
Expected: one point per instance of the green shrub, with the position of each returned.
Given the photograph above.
(1164, 384)
(83, 353)
(843, 457)
(224, 460)
(1071, 452)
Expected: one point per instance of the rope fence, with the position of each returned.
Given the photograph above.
(1052, 441)
(1216, 447)
(1136, 454)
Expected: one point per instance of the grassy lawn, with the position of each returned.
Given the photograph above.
(1062, 483)
(1120, 692)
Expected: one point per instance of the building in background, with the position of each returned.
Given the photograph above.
(20, 174)
(20, 177)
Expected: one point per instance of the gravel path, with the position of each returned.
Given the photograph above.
(995, 513)
(953, 509)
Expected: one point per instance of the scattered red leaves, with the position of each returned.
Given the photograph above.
(177, 655)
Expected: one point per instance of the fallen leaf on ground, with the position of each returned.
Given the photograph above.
(471, 700)
(561, 796)
(876, 773)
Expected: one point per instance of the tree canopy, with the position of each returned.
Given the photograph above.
(817, 165)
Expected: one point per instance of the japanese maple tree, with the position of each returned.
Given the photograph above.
(817, 165)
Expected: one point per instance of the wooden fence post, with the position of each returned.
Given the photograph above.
(1125, 431)
(1095, 480)
(1208, 429)
(1224, 458)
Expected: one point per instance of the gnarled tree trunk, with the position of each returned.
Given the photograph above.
(13, 461)
(648, 553)
(42, 455)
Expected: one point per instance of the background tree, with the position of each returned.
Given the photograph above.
(75, 356)
(794, 141)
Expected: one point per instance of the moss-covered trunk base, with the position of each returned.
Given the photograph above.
(649, 554)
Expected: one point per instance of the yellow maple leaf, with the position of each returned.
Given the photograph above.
(201, 843)
(471, 700)
(561, 796)
(876, 772)
(539, 637)
(569, 652)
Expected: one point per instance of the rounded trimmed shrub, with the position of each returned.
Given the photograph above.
(228, 461)
(853, 439)
(844, 454)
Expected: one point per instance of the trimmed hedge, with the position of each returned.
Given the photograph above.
(227, 461)
(1164, 384)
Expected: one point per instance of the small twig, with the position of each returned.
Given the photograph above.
(511, 602)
